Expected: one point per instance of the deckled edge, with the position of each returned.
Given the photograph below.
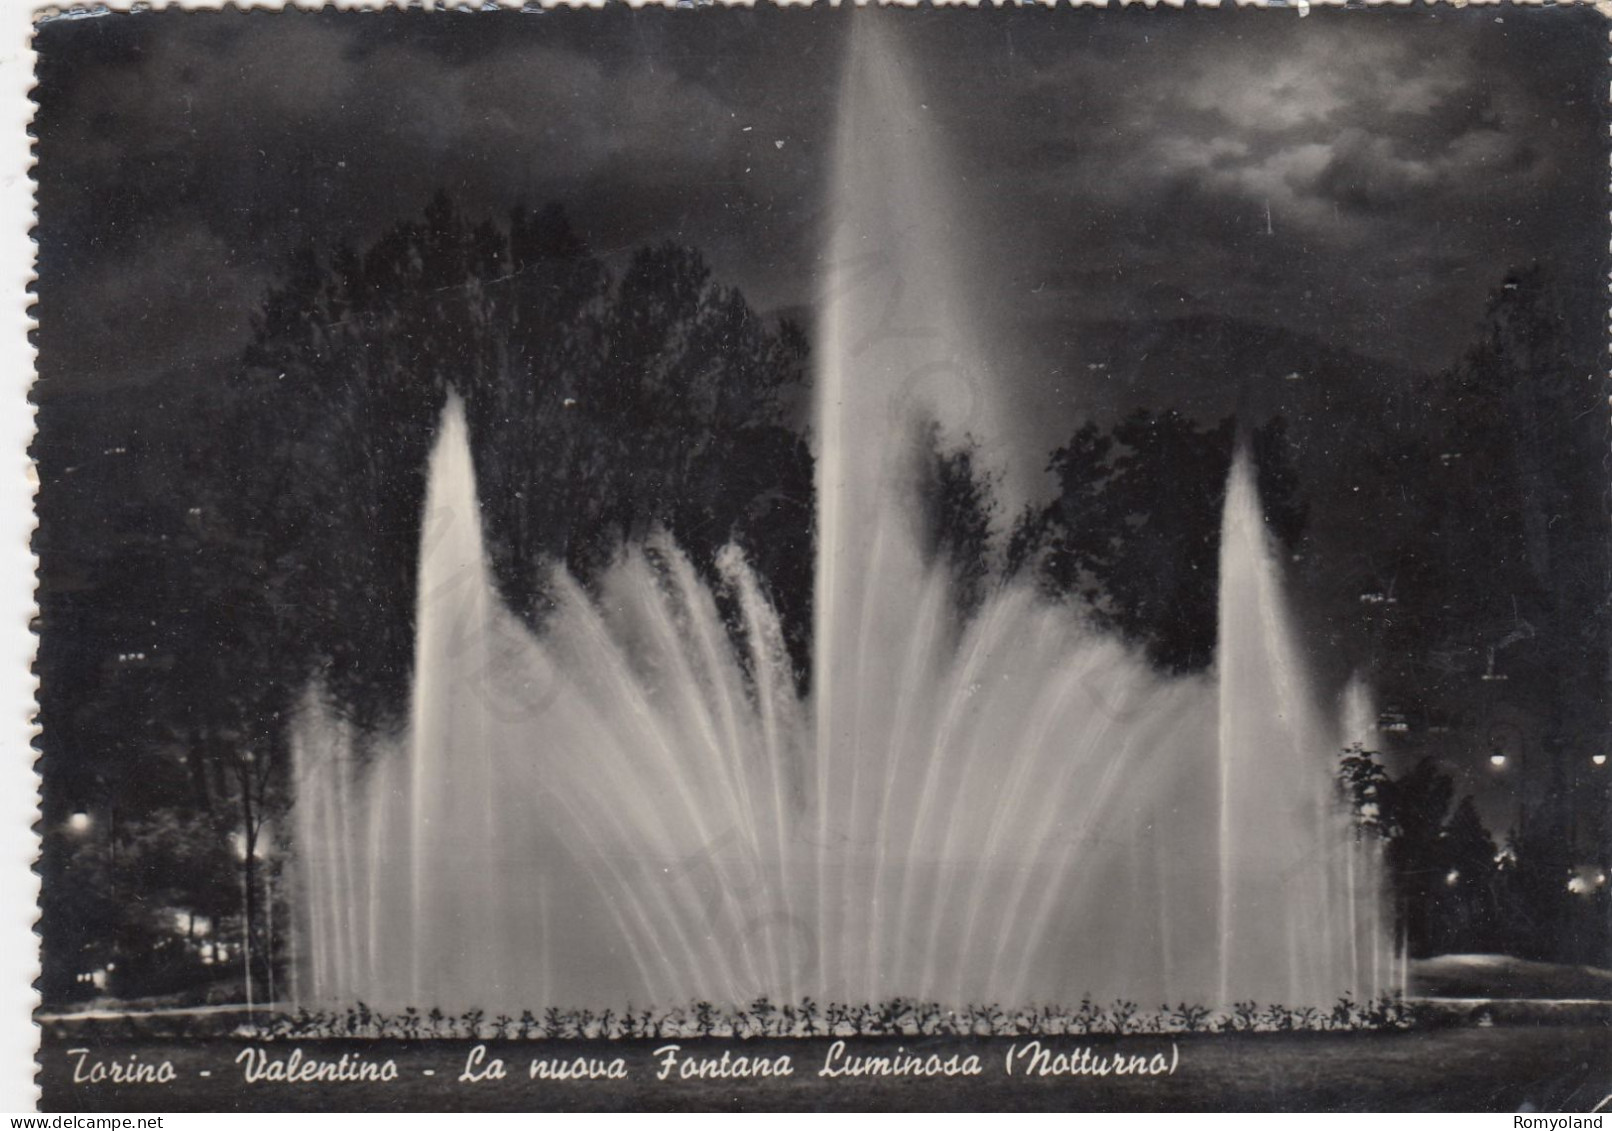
(1302, 7)
(1606, 269)
(19, 778)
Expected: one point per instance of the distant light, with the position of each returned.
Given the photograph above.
(80, 822)
(1497, 760)
(1453, 878)
(1598, 759)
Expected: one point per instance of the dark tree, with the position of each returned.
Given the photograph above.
(957, 503)
(1134, 531)
(1500, 584)
(1470, 904)
(1365, 785)
(280, 549)
(1444, 867)
(600, 409)
(1416, 805)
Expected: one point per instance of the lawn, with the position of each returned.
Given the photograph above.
(1501, 1068)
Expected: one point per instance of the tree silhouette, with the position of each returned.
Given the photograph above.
(599, 408)
(1500, 583)
(1444, 867)
(1134, 531)
(1471, 908)
(284, 549)
(957, 502)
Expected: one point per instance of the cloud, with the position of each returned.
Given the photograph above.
(1267, 95)
(1340, 131)
(1103, 160)
(239, 136)
(1406, 161)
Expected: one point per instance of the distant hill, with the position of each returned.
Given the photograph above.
(1210, 366)
(1340, 406)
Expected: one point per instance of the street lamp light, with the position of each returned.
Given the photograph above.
(79, 823)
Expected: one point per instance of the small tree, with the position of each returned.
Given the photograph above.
(958, 505)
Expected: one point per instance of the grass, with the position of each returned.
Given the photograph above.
(1554, 1068)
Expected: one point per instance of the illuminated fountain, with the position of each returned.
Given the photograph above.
(632, 807)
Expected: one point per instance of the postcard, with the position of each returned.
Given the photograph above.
(814, 558)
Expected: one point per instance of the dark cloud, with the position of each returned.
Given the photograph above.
(1362, 176)
(249, 134)
(1326, 158)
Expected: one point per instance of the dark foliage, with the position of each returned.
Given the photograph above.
(957, 504)
(245, 560)
(1454, 890)
(281, 545)
(1134, 531)
(599, 408)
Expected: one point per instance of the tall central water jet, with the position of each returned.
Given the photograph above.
(636, 804)
(895, 351)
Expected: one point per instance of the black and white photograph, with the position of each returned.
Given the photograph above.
(816, 558)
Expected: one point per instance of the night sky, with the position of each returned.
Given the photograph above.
(1353, 183)
(1360, 177)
